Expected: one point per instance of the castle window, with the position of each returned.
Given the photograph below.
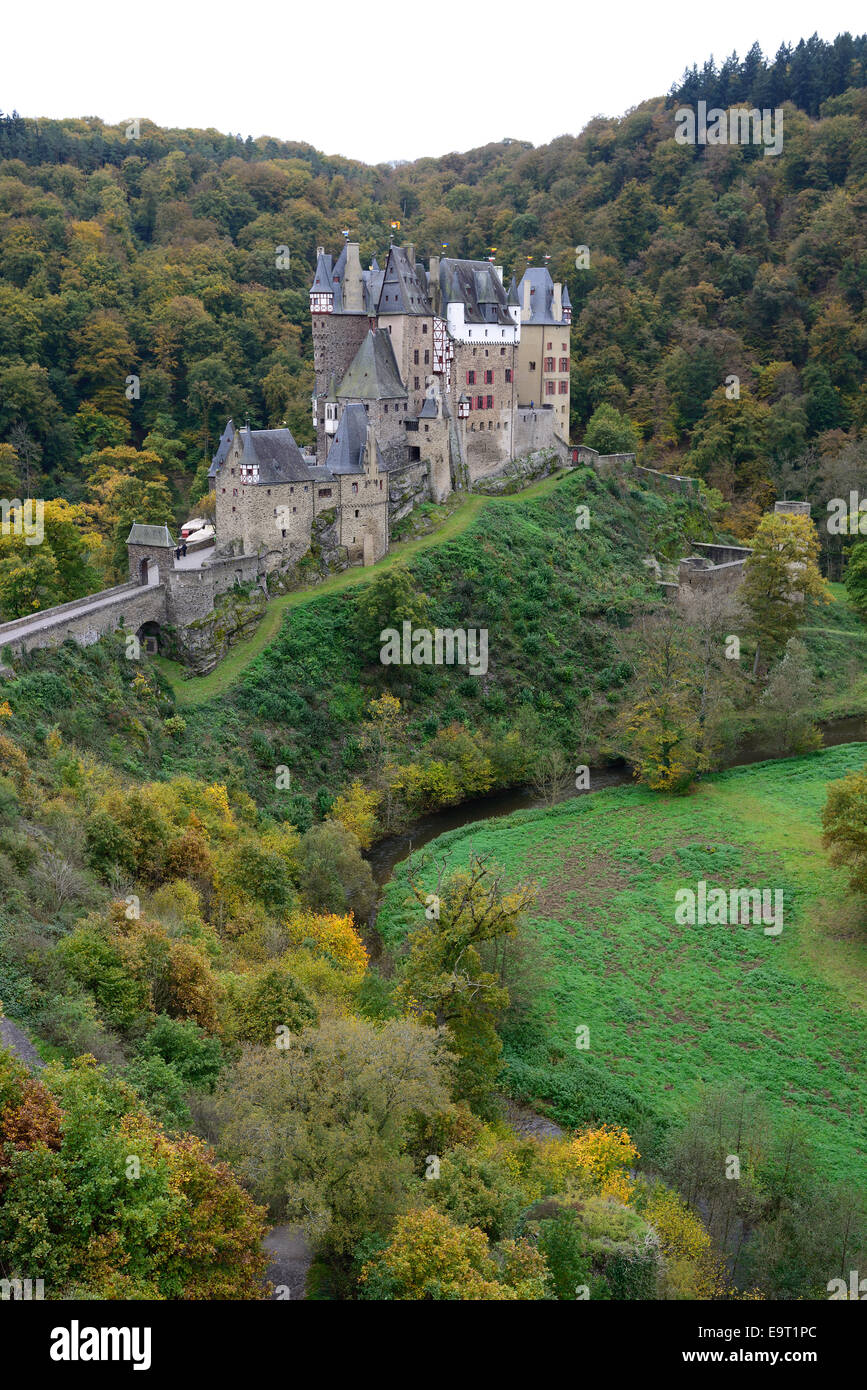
(386, 408)
(325, 492)
(565, 347)
(508, 375)
(283, 533)
(471, 378)
(356, 511)
(564, 364)
(549, 347)
(305, 487)
(234, 509)
(416, 386)
(532, 366)
(415, 357)
(426, 428)
(269, 492)
(294, 509)
(489, 378)
(548, 364)
(222, 489)
(564, 387)
(427, 355)
(490, 402)
(291, 492)
(549, 388)
(502, 352)
(424, 328)
(234, 492)
(355, 487)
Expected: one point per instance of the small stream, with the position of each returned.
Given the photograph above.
(386, 853)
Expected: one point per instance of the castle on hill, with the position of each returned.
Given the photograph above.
(426, 381)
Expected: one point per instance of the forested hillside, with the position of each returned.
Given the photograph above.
(154, 253)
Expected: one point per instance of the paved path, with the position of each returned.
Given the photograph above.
(52, 619)
(17, 1041)
(195, 560)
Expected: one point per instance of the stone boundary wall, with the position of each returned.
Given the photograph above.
(670, 482)
(533, 429)
(723, 554)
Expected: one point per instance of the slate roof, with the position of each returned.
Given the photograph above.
(322, 281)
(223, 448)
(141, 534)
(372, 280)
(541, 295)
(429, 409)
(477, 286)
(513, 293)
(567, 302)
(373, 375)
(346, 454)
(277, 455)
(403, 291)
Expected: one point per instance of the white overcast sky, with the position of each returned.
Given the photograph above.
(353, 79)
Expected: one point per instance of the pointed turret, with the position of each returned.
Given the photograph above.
(322, 289)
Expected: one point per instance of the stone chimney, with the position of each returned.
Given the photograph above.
(557, 305)
(410, 254)
(525, 307)
(370, 450)
(434, 293)
(353, 285)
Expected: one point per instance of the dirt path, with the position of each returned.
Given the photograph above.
(17, 1041)
(291, 1257)
(526, 1122)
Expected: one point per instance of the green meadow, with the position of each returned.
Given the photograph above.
(671, 1009)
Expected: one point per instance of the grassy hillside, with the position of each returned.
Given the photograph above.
(554, 601)
(672, 1008)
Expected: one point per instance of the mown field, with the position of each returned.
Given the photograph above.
(672, 1008)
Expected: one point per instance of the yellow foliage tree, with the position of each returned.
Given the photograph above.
(333, 936)
(429, 1257)
(356, 810)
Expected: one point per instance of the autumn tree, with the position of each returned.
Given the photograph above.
(844, 826)
(780, 576)
(443, 979)
(319, 1129)
(430, 1257)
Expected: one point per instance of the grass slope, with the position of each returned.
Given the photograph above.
(670, 1007)
(195, 690)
